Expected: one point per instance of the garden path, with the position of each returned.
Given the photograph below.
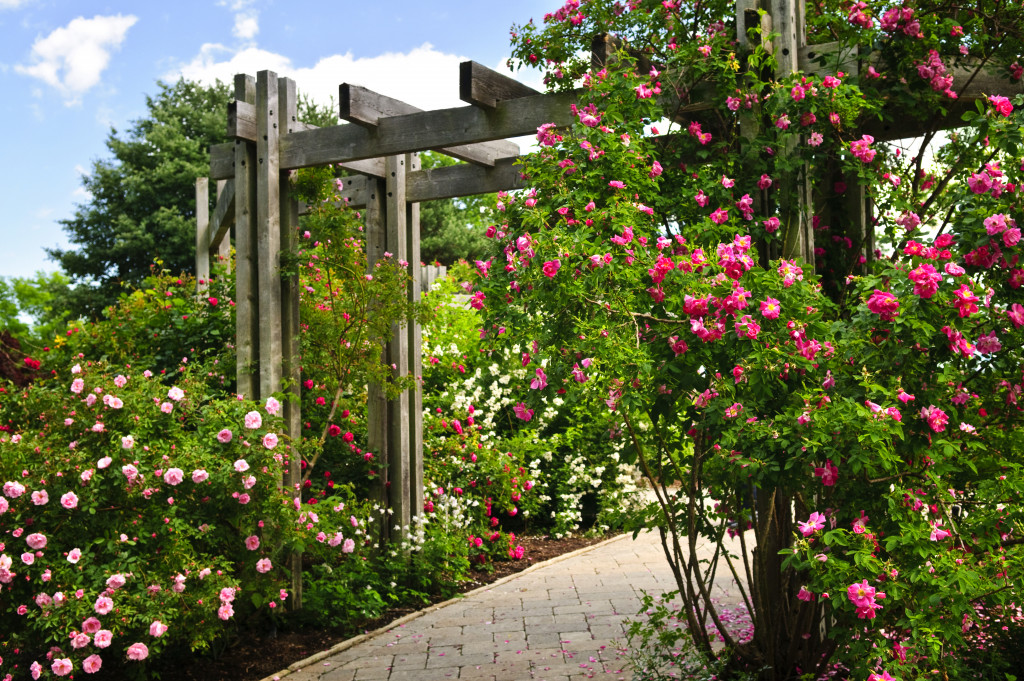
(557, 621)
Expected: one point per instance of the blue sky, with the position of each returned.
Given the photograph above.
(71, 70)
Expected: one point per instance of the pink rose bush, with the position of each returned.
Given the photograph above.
(177, 549)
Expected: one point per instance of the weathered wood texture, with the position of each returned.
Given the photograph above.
(443, 183)
(414, 426)
(202, 232)
(220, 247)
(376, 401)
(268, 221)
(246, 280)
(287, 120)
(429, 274)
(485, 87)
(223, 215)
(399, 476)
(368, 108)
(443, 128)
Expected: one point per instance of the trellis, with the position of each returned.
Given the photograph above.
(380, 144)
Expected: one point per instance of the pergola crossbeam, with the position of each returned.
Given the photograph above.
(481, 86)
(368, 108)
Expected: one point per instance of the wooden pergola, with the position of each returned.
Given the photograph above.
(380, 144)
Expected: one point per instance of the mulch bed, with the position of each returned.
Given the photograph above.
(253, 659)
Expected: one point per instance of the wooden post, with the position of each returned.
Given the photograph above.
(202, 233)
(798, 240)
(290, 351)
(268, 225)
(376, 402)
(415, 425)
(224, 247)
(246, 282)
(398, 352)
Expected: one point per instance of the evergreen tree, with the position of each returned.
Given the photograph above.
(142, 204)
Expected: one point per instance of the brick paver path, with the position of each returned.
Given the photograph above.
(560, 621)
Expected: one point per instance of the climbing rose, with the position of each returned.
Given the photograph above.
(884, 304)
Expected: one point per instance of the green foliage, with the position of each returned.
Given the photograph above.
(451, 229)
(165, 500)
(36, 298)
(163, 325)
(142, 200)
(661, 275)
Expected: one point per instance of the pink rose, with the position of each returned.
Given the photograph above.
(92, 664)
(224, 436)
(157, 628)
(199, 475)
(273, 406)
(252, 542)
(176, 394)
(174, 476)
(167, 407)
(551, 267)
(61, 666)
(36, 541)
(40, 498)
(116, 582)
(69, 500)
(225, 611)
(263, 565)
(270, 440)
(91, 625)
(77, 386)
(138, 651)
(103, 606)
(253, 420)
(104, 462)
(102, 638)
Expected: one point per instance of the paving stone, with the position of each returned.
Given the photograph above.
(339, 675)
(559, 623)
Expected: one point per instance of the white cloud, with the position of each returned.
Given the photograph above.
(72, 58)
(13, 4)
(247, 25)
(423, 77)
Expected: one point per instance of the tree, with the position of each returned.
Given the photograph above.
(35, 298)
(451, 229)
(694, 251)
(142, 204)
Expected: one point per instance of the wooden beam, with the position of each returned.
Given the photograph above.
(223, 252)
(356, 190)
(242, 124)
(414, 426)
(368, 108)
(463, 180)
(222, 160)
(268, 226)
(365, 108)
(484, 87)
(376, 400)
(202, 232)
(243, 169)
(443, 128)
(395, 212)
(223, 216)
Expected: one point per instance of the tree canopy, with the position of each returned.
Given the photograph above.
(142, 200)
